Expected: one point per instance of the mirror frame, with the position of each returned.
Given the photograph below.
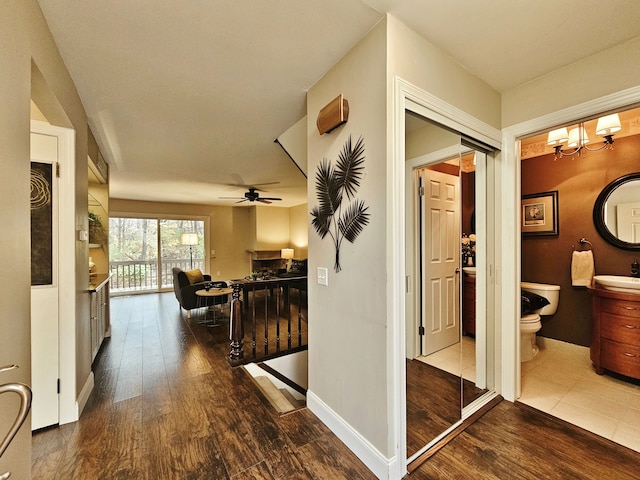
(598, 213)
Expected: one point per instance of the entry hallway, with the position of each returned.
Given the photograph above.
(167, 406)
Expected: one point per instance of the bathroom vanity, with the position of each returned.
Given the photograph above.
(469, 305)
(615, 335)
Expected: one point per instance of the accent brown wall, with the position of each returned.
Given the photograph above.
(578, 181)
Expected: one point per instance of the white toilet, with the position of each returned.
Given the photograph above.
(530, 324)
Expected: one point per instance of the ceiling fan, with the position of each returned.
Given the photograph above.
(252, 196)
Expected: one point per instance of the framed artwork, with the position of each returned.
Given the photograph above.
(539, 213)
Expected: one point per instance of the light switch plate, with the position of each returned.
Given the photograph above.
(323, 276)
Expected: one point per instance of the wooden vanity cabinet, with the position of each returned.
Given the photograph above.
(469, 305)
(615, 335)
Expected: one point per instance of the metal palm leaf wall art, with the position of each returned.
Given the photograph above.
(333, 184)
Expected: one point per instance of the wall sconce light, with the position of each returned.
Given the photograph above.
(333, 114)
(577, 138)
(190, 239)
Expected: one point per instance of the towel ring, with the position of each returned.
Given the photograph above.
(583, 241)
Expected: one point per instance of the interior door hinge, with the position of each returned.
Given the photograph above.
(57, 169)
(420, 330)
(58, 386)
(421, 191)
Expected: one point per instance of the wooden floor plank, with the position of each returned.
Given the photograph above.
(166, 405)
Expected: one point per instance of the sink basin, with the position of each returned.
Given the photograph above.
(471, 271)
(618, 283)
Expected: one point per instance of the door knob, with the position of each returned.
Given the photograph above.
(24, 393)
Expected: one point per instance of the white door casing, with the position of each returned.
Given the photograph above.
(440, 237)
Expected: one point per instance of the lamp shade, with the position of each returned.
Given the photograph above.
(578, 137)
(189, 239)
(558, 136)
(608, 124)
(286, 253)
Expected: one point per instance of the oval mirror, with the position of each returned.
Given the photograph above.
(616, 213)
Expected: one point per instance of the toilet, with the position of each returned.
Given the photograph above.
(530, 324)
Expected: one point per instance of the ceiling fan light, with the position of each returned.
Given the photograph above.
(608, 124)
(577, 137)
(557, 137)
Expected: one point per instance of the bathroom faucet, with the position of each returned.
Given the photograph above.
(635, 268)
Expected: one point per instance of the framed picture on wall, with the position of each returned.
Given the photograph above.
(539, 212)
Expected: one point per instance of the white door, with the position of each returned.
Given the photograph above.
(440, 265)
(628, 221)
(44, 281)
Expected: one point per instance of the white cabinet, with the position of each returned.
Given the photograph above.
(99, 312)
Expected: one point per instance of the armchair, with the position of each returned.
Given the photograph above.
(185, 285)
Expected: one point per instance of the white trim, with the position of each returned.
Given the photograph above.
(510, 216)
(375, 461)
(409, 97)
(84, 393)
(67, 239)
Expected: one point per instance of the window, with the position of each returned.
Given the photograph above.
(143, 251)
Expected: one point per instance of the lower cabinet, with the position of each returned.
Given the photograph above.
(99, 313)
(469, 305)
(615, 334)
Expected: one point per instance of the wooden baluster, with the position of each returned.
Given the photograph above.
(236, 327)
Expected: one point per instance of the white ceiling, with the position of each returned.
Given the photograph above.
(186, 98)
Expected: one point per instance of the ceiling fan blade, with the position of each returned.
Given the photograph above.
(262, 200)
(243, 200)
(230, 198)
(270, 198)
(252, 185)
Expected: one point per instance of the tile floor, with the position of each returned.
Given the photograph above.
(561, 381)
(449, 360)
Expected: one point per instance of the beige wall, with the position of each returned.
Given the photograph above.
(607, 72)
(420, 63)
(299, 231)
(272, 228)
(347, 320)
(25, 38)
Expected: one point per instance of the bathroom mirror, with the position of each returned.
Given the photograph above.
(616, 213)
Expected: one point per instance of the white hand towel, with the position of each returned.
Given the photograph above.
(582, 269)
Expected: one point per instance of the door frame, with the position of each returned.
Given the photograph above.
(408, 97)
(68, 407)
(509, 237)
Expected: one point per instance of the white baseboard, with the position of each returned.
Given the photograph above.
(383, 468)
(84, 393)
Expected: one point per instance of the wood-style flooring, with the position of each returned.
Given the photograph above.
(166, 405)
(434, 402)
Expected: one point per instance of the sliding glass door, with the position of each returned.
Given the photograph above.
(143, 251)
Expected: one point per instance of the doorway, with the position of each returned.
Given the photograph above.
(53, 327)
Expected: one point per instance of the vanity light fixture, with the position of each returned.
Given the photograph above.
(577, 137)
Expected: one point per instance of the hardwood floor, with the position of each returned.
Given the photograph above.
(514, 441)
(166, 405)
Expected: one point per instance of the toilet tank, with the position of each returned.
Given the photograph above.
(550, 292)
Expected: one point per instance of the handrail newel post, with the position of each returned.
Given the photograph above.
(236, 327)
